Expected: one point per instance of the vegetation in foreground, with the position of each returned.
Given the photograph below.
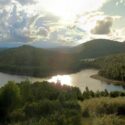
(39, 104)
(103, 111)
(42, 103)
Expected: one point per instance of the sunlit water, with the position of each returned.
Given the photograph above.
(81, 79)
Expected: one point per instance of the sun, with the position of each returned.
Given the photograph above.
(65, 9)
(70, 9)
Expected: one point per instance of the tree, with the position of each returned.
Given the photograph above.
(9, 98)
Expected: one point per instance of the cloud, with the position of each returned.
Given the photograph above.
(46, 20)
(4, 3)
(4, 24)
(103, 26)
(119, 2)
(42, 31)
(22, 2)
(67, 35)
(16, 25)
(118, 34)
(96, 22)
(12, 24)
(67, 9)
(25, 2)
(29, 21)
(98, 25)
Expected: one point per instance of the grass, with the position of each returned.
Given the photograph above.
(103, 111)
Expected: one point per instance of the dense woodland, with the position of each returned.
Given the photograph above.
(43, 103)
(28, 60)
(112, 67)
(53, 104)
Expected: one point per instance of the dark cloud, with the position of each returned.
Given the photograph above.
(103, 26)
(42, 31)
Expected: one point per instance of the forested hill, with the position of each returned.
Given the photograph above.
(99, 47)
(112, 67)
(2, 49)
(95, 48)
(28, 60)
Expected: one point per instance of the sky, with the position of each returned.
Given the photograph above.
(60, 22)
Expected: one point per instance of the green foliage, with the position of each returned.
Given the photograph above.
(108, 120)
(88, 94)
(41, 108)
(27, 60)
(100, 47)
(9, 99)
(112, 67)
(39, 103)
(103, 111)
(43, 103)
(101, 106)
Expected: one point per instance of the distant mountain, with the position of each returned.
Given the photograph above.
(99, 47)
(2, 49)
(28, 60)
(37, 44)
(95, 48)
(47, 44)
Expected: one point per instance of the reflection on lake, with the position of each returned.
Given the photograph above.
(80, 79)
(63, 79)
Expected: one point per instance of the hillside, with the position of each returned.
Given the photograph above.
(99, 47)
(2, 49)
(95, 48)
(28, 60)
(112, 67)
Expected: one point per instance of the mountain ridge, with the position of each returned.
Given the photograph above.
(29, 60)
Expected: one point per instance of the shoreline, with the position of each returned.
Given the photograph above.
(110, 81)
(48, 75)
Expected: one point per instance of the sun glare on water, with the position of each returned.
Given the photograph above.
(63, 79)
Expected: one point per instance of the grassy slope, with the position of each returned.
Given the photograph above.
(103, 111)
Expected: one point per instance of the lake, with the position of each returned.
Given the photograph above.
(80, 79)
